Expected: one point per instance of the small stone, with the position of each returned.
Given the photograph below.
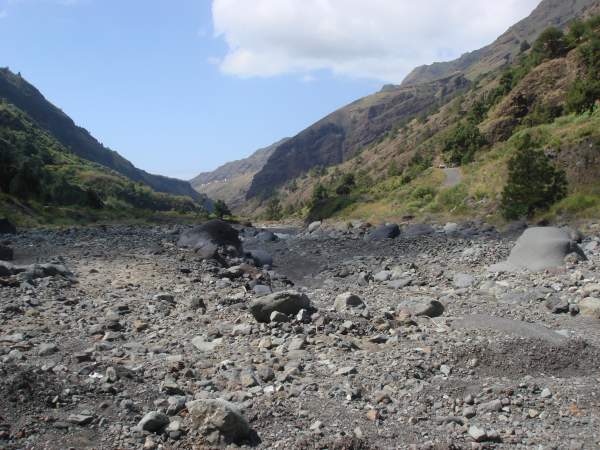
(153, 422)
(546, 393)
(469, 412)
(80, 419)
(348, 302)
(477, 434)
(372, 415)
(278, 317)
(349, 370)
(47, 349)
(298, 343)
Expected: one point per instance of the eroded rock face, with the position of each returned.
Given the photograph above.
(286, 302)
(221, 422)
(538, 249)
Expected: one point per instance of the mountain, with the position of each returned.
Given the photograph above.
(353, 128)
(43, 182)
(385, 157)
(231, 181)
(350, 129)
(16, 90)
(503, 50)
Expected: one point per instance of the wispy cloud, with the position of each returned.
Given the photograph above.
(378, 39)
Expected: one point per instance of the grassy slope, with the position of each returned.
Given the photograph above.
(572, 141)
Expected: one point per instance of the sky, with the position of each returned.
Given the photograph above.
(182, 86)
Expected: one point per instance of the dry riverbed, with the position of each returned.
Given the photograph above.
(128, 341)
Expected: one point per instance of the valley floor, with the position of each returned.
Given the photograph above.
(83, 362)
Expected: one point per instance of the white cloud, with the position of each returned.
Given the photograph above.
(378, 39)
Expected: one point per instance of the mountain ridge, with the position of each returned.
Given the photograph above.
(18, 91)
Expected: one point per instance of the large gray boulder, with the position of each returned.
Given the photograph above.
(221, 422)
(206, 239)
(286, 302)
(538, 249)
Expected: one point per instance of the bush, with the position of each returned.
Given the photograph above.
(221, 209)
(551, 44)
(319, 194)
(583, 95)
(533, 184)
(274, 211)
(462, 144)
(346, 184)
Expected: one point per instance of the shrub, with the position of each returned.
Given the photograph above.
(274, 211)
(582, 95)
(551, 44)
(462, 143)
(319, 193)
(534, 184)
(346, 184)
(221, 209)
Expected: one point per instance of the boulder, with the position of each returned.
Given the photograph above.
(153, 422)
(590, 307)
(286, 302)
(463, 280)
(314, 226)
(427, 307)
(6, 253)
(418, 230)
(266, 236)
(451, 228)
(383, 232)
(6, 227)
(348, 302)
(539, 248)
(221, 422)
(206, 239)
(260, 258)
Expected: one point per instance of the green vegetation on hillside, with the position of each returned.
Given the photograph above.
(525, 136)
(40, 178)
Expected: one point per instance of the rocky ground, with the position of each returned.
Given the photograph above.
(124, 340)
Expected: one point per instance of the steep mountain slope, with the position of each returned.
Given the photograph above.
(43, 182)
(350, 129)
(231, 181)
(503, 50)
(17, 91)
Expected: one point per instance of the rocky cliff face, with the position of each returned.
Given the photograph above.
(503, 50)
(349, 130)
(16, 90)
(231, 181)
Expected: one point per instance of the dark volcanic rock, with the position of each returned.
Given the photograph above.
(6, 227)
(6, 253)
(261, 258)
(205, 239)
(385, 232)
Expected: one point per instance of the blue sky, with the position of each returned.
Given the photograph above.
(182, 86)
